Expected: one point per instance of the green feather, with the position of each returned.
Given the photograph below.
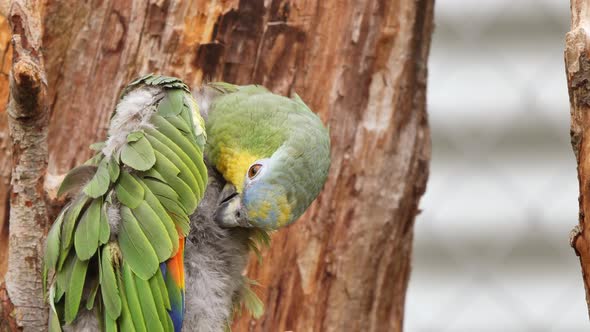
(125, 321)
(99, 184)
(70, 218)
(134, 136)
(133, 299)
(187, 116)
(113, 168)
(148, 305)
(95, 160)
(162, 287)
(104, 228)
(196, 164)
(251, 301)
(136, 248)
(74, 291)
(87, 232)
(54, 323)
(161, 189)
(170, 173)
(154, 230)
(170, 200)
(163, 216)
(160, 304)
(108, 283)
(187, 170)
(62, 278)
(52, 248)
(92, 295)
(153, 174)
(171, 105)
(177, 213)
(168, 130)
(139, 80)
(150, 80)
(129, 190)
(138, 154)
(75, 179)
(180, 124)
(110, 325)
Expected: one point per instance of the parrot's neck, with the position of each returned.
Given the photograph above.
(214, 260)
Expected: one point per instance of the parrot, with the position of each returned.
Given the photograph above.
(162, 218)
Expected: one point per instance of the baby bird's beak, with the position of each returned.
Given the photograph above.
(230, 212)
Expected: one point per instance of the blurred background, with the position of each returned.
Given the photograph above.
(491, 248)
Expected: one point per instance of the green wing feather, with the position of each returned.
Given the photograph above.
(154, 180)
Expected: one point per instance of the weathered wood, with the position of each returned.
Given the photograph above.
(5, 153)
(577, 65)
(27, 121)
(360, 64)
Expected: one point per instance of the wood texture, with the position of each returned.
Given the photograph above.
(360, 64)
(5, 150)
(27, 122)
(577, 65)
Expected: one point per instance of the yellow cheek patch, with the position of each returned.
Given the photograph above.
(261, 213)
(284, 211)
(233, 165)
(271, 215)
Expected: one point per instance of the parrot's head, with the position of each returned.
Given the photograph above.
(273, 152)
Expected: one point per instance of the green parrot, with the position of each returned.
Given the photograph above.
(162, 219)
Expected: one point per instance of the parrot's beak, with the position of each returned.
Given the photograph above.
(230, 212)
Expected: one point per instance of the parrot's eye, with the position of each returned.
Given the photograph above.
(254, 170)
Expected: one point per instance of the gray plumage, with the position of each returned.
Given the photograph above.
(86, 322)
(214, 260)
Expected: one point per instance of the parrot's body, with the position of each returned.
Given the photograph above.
(135, 251)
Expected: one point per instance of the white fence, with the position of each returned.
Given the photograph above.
(491, 246)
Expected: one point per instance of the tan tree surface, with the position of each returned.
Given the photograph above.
(360, 64)
(577, 61)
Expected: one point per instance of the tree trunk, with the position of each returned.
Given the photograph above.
(577, 65)
(360, 64)
(27, 122)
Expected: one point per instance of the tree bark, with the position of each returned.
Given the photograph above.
(27, 121)
(360, 64)
(577, 65)
(5, 150)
